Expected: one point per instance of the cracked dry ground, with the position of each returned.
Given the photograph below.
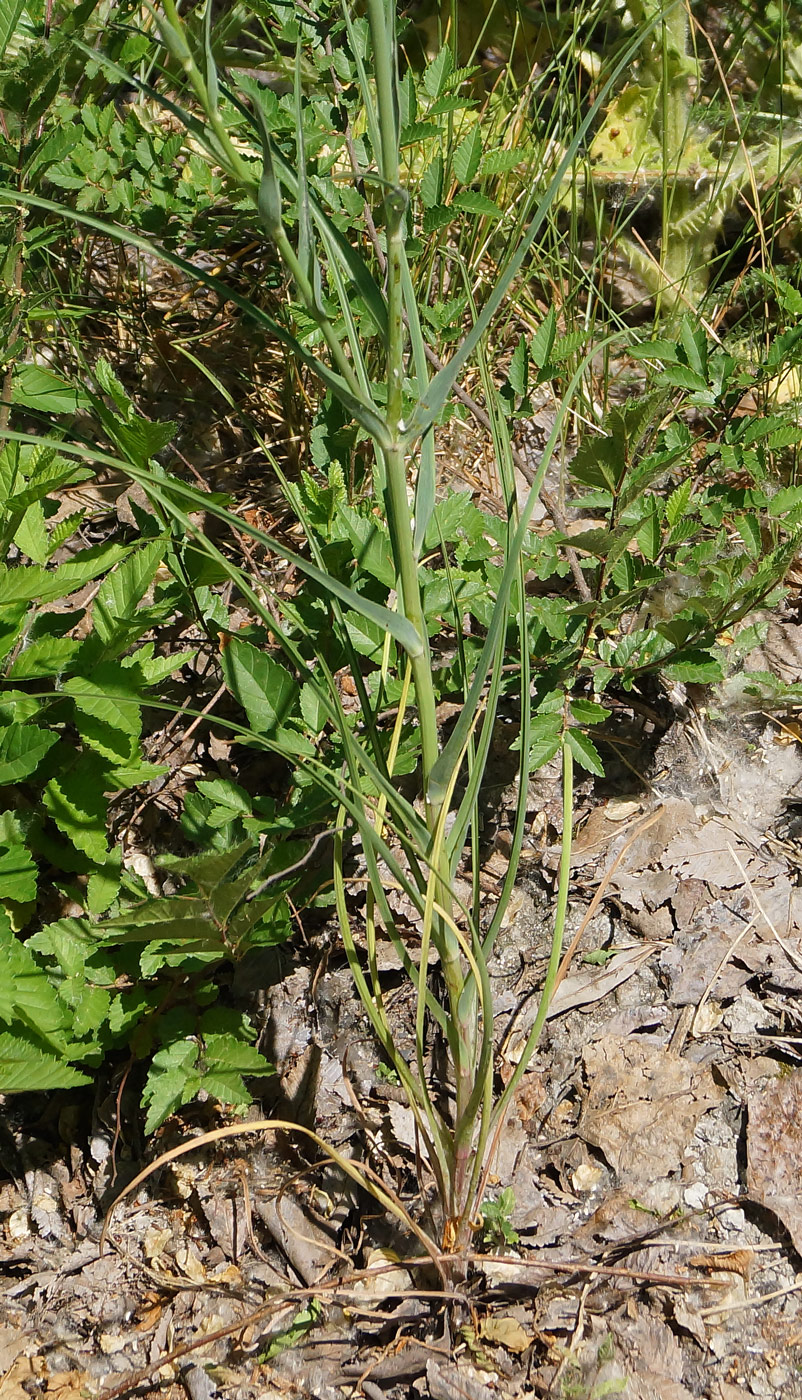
(654, 1149)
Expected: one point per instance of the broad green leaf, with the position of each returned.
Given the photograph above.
(210, 869)
(103, 886)
(26, 993)
(75, 802)
(749, 528)
(22, 584)
(26, 1069)
(46, 472)
(467, 156)
(121, 591)
(500, 162)
(474, 203)
(542, 341)
(173, 1079)
(48, 656)
(585, 751)
(649, 537)
(227, 794)
(22, 748)
(431, 186)
(31, 536)
(264, 688)
(678, 501)
(108, 714)
(545, 737)
(41, 389)
(588, 712)
(17, 874)
(696, 666)
(85, 566)
(663, 350)
(10, 14)
(518, 372)
(225, 1061)
(365, 636)
(176, 918)
(436, 75)
(155, 669)
(371, 545)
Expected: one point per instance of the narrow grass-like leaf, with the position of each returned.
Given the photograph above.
(29, 582)
(364, 413)
(430, 407)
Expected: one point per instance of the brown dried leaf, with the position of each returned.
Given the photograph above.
(774, 1151)
(505, 1332)
(643, 1106)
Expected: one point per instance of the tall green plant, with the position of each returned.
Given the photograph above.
(398, 414)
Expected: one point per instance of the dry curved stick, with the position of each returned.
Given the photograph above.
(361, 1173)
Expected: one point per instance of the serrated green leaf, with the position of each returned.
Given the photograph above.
(41, 389)
(22, 584)
(694, 666)
(468, 155)
(89, 564)
(264, 688)
(587, 711)
(26, 994)
(474, 203)
(212, 867)
(313, 708)
(76, 803)
(649, 537)
(122, 590)
(107, 711)
(103, 886)
(585, 752)
(749, 528)
(17, 874)
(437, 217)
(49, 656)
(226, 794)
(365, 636)
(540, 345)
(663, 350)
(682, 377)
(431, 185)
(173, 1079)
(22, 748)
(518, 372)
(25, 1068)
(501, 162)
(155, 669)
(677, 503)
(31, 537)
(436, 75)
